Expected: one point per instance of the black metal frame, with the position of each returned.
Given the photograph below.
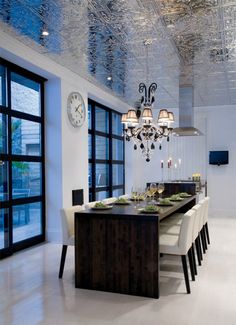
(8, 204)
(110, 162)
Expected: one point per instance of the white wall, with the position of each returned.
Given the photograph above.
(66, 147)
(221, 135)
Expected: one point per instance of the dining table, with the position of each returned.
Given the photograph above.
(117, 249)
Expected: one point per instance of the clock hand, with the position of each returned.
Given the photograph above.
(77, 107)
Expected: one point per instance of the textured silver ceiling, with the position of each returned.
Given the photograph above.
(100, 39)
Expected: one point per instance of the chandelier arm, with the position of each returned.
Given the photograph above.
(151, 90)
(142, 88)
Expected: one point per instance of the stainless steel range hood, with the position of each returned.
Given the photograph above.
(186, 113)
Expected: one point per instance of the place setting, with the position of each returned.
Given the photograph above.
(122, 201)
(101, 206)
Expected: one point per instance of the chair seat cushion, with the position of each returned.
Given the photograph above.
(168, 244)
(170, 229)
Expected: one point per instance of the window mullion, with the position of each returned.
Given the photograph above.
(101, 130)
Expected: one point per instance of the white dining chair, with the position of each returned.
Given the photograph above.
(203, 202)
(171, 226)
(109, 200)
(175, 221)
(67, 224)
(196, 242)
(179, 243)
(196, 235)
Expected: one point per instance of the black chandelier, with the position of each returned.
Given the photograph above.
(138, 124)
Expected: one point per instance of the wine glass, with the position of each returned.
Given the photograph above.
(160, 189)
(139, 194)
(134, 193)
(153, 190)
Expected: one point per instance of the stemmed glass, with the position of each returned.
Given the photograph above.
(160, 189)
(139, 194)
(153, 190)
(134, 192)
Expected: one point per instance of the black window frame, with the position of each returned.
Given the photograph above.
(93, 190)
(9, 157)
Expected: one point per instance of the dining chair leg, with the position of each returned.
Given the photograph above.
(190, 258)
(63, 258)
(204, 236)
(198, 251)
(194, 259)
(203, 243)
(207, 233)
(200, 247)
(185, 269)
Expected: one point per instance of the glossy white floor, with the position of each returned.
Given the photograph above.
(31, 292)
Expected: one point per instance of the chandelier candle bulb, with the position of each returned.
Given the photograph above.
(162, 164)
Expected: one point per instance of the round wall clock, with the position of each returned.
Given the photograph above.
(76, 109)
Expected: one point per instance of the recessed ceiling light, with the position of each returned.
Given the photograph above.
(109, 78)
(45, 33)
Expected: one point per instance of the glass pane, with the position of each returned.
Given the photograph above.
(102, 195)
(102, 120)
(117, 193)
(26, 221)
(89, 116)
(90, 197)
(25, 137)
(90, 146)
(90, 176)
(3, 180)
(4, 230)
(25, 95)
(2, 86)
(102, 175)
(116, 124)
(117, 149)
(26, 179)
(102, 147)
(117, 174)
(3, 133)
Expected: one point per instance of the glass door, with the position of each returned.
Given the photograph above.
(22, 194)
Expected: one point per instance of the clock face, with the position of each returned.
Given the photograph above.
(76, 109)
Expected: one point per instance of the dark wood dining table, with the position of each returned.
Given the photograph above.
(117, 250)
